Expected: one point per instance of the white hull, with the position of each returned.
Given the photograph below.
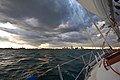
(100, 73)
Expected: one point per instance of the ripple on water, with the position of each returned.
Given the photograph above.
(19, 64)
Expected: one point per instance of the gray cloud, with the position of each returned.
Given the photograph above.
(57, 22)
(48, 12)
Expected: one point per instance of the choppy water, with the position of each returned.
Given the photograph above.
(20, 64)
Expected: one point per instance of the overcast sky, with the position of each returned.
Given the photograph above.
(47, 23)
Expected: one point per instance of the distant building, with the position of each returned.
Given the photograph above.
(82, 47)
(72, 47)
(65, 48)
(76, 48)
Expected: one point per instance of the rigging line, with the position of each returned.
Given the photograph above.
(106, 34)
(112, 12)
(83, 60)
(86, 30)
(84, 26)
(99, 30)
(96, 58)
(115, 28)
(90, 58)
(113, 42)
(90, 38)
(80, 72)
(111, 9)
(74, 59)
(105, 11)
(64, 63)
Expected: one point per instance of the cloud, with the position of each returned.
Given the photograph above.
(48, 12)
(32, 22)
(46, 23)
(7, 25)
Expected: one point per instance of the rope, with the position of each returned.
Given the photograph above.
(89, 36)
(90, 58)
(58, 66)
(105, 11)
(83, 60)
(113, 69)
(99, 31)
(64, 63)
(112, 20)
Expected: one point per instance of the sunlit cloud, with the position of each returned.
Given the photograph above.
(7, 25)
(45, 45)
(14, 45)
(9, 45)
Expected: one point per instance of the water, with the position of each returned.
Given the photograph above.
(20, 64)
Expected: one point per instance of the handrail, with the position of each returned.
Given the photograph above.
(60, 73)
(80, 72)
(86, 64)
(65, 63)
(83, 60)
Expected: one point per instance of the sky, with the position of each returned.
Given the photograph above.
(48, 24)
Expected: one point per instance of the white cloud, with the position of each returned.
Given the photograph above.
(45, 45)
(63, 26)
(8, 25)
(14, 45)
(11, 37)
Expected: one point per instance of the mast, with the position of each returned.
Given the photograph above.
(111, 8)
(105, 10)
(92, 8)
(114, 27)
(99, 31)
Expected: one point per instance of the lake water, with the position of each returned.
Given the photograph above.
(20, 64)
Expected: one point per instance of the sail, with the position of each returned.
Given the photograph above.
(107, 10)
(97, 7)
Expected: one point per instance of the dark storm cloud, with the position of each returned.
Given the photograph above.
(31, 37)
(45, 21)
(48, 12)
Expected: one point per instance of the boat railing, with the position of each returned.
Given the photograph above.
(87, 65)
